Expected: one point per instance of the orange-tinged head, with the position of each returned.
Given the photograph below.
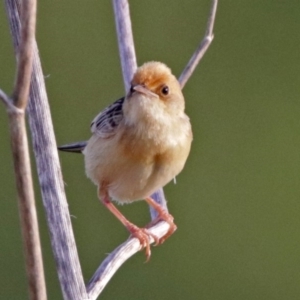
(156, 80)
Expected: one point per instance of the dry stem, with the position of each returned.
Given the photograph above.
(19, 144)
(202, 48)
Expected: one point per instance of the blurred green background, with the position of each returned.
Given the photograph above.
(236, 203)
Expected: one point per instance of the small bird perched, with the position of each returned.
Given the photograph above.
(139, 143)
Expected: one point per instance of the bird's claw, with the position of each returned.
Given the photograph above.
(143, 235)
(164, 216)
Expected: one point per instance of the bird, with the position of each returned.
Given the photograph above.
(139, 143)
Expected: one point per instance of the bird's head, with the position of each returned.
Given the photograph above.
(154, 90)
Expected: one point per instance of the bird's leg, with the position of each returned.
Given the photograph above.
(162, 215)
(142, 234)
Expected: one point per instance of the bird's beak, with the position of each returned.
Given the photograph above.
(143, 90)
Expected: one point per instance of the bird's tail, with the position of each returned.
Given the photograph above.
(77, 147)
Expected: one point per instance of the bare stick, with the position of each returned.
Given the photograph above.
(115, 260)
(24, 57)
(203, 46)
(52, 186)
(125, 41)
(8, 102)
(16, 111)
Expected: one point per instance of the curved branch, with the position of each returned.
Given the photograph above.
(202, 48)
(115, 260)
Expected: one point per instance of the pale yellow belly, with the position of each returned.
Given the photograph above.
(131, 176)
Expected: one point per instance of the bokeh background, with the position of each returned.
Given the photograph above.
(236, 203)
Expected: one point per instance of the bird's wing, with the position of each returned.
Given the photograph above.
(105, 124)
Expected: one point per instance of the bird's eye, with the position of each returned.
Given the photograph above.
(165, 90)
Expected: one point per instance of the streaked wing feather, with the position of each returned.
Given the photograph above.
(106, 122)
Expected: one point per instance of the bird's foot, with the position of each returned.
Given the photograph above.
(164, 216)
(143, 235)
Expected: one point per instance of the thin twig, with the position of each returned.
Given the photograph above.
(19, 144)
(5, 99)
(125, 41)
(25, 54)
(49, 173)
(8, 103)
(115, 260)
(202, 48)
